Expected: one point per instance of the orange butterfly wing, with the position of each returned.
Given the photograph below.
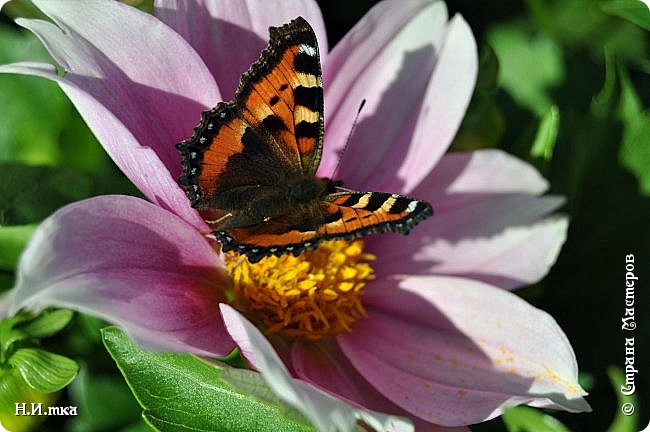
(274, 126)
(345, 215)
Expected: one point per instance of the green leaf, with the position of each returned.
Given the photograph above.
(22, 8)
(582, 25)
(629, 106)
(13, 240)
(10, 335)
(529, 66)
(180, 392)
(44, 371)
(526, 419)
(29, 194)
(586, 380)
(139, 426)
(546, 135)
(234, 359)
(635, 149)
(104, 402)
(47, 323)
(632, 10)
(250, 383)
(602, 104)
(488, 71)
(27, 325)
(622, 422)
(13, 390)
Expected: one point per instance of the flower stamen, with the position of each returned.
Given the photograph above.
(310, 296)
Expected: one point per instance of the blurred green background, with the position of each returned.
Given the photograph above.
(563, 84)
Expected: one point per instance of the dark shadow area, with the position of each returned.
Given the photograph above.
(609, 220)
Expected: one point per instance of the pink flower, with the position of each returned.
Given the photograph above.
(444, 341)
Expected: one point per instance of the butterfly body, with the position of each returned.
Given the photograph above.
(291, 199)
(250, 166)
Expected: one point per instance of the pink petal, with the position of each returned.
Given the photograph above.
(488, 223)
(480, 172)
(141, 86)
(327, 413)
(455, 351)
(132, 263)
(500, 240)
(416, 73)
(230, 36)
(370, 63)
(517, 256)
(325, 366)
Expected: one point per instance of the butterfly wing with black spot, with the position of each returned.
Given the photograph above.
(282, 94)
(273, 128)
(355, 214)
(344, 215)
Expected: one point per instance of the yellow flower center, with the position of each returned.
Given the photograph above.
(310, 296)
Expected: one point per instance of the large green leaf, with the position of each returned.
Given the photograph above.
(181, 392)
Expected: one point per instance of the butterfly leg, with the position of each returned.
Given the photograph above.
(238, 263)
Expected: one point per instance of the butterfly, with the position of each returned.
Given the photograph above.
(250, 166)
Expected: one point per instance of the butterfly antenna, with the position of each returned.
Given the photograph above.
(347, 140)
